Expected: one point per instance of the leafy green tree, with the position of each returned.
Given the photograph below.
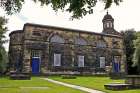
(136, 57)
(129, 36)
(4, 61)
(3, 55)
(3, 29)
(78, 8)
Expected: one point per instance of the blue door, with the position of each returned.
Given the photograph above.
(116, 67)
(35, 65)
(116, 64)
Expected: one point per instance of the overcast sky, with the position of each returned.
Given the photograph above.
(126, 16)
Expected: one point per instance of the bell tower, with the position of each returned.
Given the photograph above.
(108, 25)
(108, 22)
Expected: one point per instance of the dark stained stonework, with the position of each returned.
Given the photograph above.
(66, 50)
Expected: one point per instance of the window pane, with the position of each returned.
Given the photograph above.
(107, 25)
(57, 59)
(35, 53)
(57, 39)
(80, 61)
(102, 62)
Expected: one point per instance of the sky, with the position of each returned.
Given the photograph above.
(126, 16)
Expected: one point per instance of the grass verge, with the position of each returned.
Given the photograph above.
(35, 85)
(95, 82)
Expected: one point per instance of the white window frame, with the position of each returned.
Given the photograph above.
(35, 53)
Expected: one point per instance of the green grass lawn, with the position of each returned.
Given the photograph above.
(95, 82)
(35, 85)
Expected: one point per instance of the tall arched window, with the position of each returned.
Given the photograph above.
(80, 41)
(57, 55)
(101, 44)
(56, 39)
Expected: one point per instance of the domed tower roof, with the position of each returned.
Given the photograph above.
(108, 25)
(108, 17)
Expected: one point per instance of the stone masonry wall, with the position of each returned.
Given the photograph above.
(39, 38)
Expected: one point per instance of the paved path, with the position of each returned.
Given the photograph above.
(74, 86)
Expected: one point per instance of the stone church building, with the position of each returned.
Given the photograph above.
(48, 49)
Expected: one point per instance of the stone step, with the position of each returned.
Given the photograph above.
(118, 86)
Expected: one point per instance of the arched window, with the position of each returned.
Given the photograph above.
(80, 41)
(57, 39)
(101, 44)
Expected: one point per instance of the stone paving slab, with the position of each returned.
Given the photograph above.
(74, 86)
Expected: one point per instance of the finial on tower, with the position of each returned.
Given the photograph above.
(107, 12)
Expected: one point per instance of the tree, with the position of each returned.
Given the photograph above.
(136, 57)
(3, 29)
(129, 36)
(3, 55)
(78, 8)
(4, 61)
